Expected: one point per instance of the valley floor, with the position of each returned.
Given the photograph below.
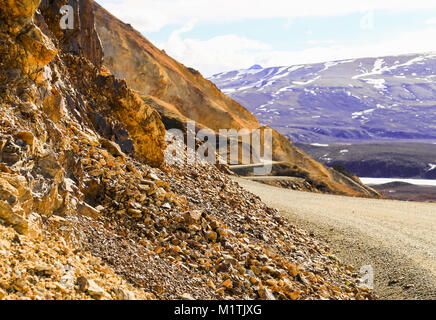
(396, 238)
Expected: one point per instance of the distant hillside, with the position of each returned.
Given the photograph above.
(408, 192)
(385, 98)
(378, 160)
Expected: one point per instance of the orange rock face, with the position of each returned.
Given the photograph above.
(151, 72)
(55, 103)
(17, 14)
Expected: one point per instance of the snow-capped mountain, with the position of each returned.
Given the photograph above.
(360, 99)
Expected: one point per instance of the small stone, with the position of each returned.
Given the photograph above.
(186, 296)
(267, 294)
(271, 282)
(160, 194)
(228, 246)
(95, 291)
(43, 270)
(272, 271)
(293, 269)
(135, 213)
(86, 210)
(124, 294)
(212, 236)
(192, 216)
(3, 294)
(211, 284)
(67, 281)
(223, 267)
(82, 283)
(263, 258)
(148, 183)
(112, 147)
(26, 136)
(144, 188)
(223, 232)
(153, 175)
(228, 284)
(293, 295)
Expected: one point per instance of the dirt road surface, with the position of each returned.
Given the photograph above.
(397, 239)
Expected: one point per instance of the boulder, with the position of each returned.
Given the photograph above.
(16, 205)
(86, 210)
(112, 147)
(54, 106)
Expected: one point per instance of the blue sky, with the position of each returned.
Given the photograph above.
(216, 36)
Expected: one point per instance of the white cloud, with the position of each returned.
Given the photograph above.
(225, 52)
(231, 52)
(431, 21)
(288, 23)
(320, 42)
(153, 15)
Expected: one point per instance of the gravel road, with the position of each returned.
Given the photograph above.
(398, 239)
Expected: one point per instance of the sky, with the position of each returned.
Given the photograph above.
(215, 36)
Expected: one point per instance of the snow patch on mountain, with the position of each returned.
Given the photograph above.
(361, 99)
(300, 83)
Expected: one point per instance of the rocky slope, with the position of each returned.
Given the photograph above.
(386, 98)
(181, 94)
(89, 209)
(51, 269)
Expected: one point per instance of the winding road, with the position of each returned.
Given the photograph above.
(397, 239)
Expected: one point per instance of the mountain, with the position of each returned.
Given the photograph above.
(392, 159)
(386, 98)
(89, 206)
(181, 94)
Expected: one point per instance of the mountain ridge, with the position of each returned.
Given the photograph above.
(379, 98)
